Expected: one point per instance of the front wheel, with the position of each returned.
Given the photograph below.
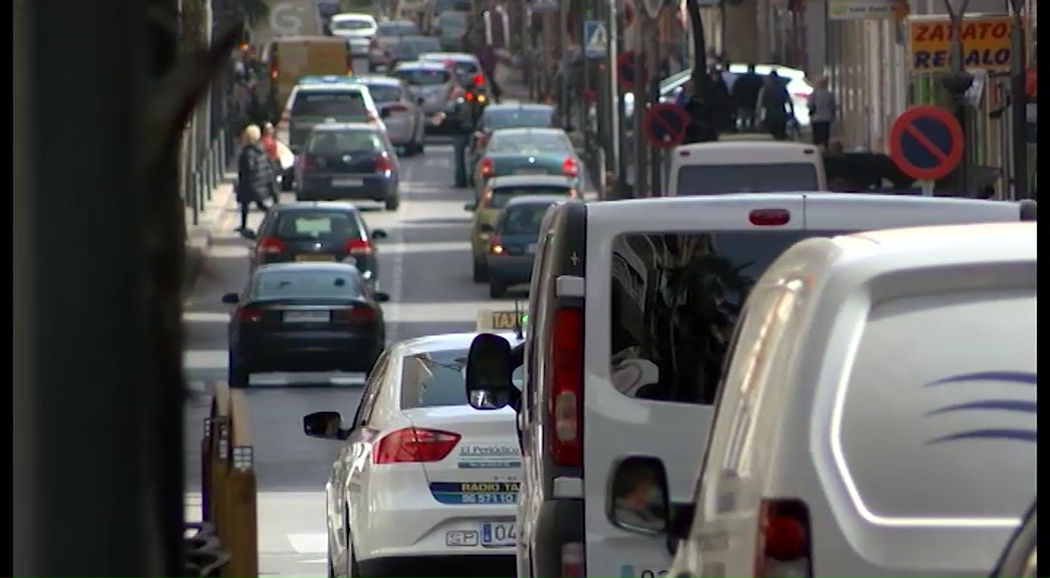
(391, 203)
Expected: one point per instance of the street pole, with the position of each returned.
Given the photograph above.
(640, 98)
(563, 26)
(1019, 112)
(613, 100)
(957, 83)
(655, 157)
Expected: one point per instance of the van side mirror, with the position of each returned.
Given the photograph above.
(488, 374)
(231, 298)
(326, 425)
(639, 498)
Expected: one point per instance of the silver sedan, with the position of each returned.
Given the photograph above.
(400, 111)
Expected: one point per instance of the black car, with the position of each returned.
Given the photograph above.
(317, 232)
(304, 317)
(352, 161)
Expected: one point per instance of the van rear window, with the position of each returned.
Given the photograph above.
(675, 301)
(699, 180)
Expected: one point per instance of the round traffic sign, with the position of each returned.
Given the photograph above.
(625, 71)
(926, 142)
(665, 125)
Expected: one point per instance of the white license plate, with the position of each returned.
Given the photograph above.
(530, 172)
(461, 538)
(306, 316)
(496, 534)
(531, 248)
(347, 182)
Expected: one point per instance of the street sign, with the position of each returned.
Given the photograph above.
(595, 38)
(625, 71)
(501, 320)
(985, 42)
(665, 125)
(860, 9)
(926, 142)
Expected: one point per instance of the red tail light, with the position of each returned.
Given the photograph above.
(569, 167)
(359, 314)
(357, 247)
(397, 108)
(383, 164)
(769, 217)
(572, 560)
(495, 245)
(566, 403)
(469, 95)
(414, 445)
(487, 167)
(308, 162)
(270, 246)
(479, 79)
(783, 539)
(249, 314)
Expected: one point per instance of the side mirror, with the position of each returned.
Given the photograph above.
(638, 500)
(470, 207)
(379, 234)
(231, 298)
(485, 228)
(327, 425)
(385, 113)
(249, 234)
(488, 374)
(381, 297)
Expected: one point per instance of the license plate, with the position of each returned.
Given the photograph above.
(347, 182)
(530, 172)
(496, 534)
(531, 248)
(306, 316)
(314, 257)
(461, 538)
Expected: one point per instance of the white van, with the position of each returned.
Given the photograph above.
(631, 308)
(744, 165)
(878, 413)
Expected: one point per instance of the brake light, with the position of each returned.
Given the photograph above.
(360, 314)
(384, 164)
(783, 539)
(769, 217)
(357, 247)
(249, 314)
(270, 246)
(414, 445)
(308, 162)
(479, 79)
(565, 404)
(273, 67)
(469, 95)
(495, 245)
(572, 560)
(487, 167)
(569, 167)
(800, 95)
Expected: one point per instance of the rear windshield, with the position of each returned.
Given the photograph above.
(337, 104)
(397, 28)
(422, 77)
(330, 142)
(533, 142)
(352, 25)
(300, 224)
(523, 219)
(435, 378)
(305, 284)
(501, 195)
(676, 299)
(699, 180)
(383, 93)
(517, 118)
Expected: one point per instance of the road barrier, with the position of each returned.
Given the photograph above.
(228, 481)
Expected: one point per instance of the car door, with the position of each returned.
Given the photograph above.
(359, 444)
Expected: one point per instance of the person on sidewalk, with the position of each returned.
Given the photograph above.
(822, 109)
(255, 177)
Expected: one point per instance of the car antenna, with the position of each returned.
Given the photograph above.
(519, 333)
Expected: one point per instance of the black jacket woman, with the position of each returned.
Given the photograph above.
(255, 175)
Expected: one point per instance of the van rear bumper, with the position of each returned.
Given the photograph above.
(559, 522)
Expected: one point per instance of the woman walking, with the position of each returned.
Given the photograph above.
(255, 176)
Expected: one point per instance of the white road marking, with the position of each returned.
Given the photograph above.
(205, 317)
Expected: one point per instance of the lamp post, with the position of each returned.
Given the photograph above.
(957, 82)
(1019, 113)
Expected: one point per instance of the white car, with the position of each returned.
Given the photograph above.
(325, 99)
(357, 29)
(421, 480)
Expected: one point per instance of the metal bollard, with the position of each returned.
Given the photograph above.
(209, 173)
(216, 158)
(198, 178)
(222, 151)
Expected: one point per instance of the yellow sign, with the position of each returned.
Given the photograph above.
(985, 42)
(500, 320)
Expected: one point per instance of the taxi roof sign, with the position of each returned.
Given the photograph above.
(489, 320)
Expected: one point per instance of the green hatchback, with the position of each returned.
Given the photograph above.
(527, 151)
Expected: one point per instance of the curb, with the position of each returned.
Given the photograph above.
(197, 250)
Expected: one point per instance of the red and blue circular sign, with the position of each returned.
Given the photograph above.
(926, 142)
(665, 125)
(625, 71)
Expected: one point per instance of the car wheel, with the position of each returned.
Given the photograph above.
(481, 272)
(392, 203)
(238, 374)
(497, 289)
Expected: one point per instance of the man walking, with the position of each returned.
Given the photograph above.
(822, 108)
(745, 96)
(775, 106)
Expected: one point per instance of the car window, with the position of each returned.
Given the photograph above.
(352, 25)
(371, 392)
(397, 28)
(337, 104)
(306, 284)
(300, 224)
(331, 142)
(383, 93)
(495, 119)
(531, 142)
(436, 378)
(523, 219)
(698, 180)
(502, 195)
(680, 317)
(423, 77)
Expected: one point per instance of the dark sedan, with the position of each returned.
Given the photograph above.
(349, 162)
(304, 317)
(512, 246)
(317, 232)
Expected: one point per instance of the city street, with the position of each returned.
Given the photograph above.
(425, 267)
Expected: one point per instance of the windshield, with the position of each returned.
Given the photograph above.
(353, 25)
(423, 77)
(331, 142)
(340, 105)
(698, 180)
(502, 195)
(523, 220)
(495, 119)
(309, 284)
(398, 28)
(382, 93)
(436, 378)
(316, 224)
(536, 143)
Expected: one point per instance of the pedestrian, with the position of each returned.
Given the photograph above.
(822, 108)
(255, 177)
(721, 102)
(775, 107)
(257, 110)
(745, 97)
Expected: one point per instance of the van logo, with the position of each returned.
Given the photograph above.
(1014, 406)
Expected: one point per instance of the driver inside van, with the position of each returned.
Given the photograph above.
(638, 498)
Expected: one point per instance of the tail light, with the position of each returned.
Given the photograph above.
(479, 79)
(487, 168)
(397, 108)
(569, 167)
(273, 67)
(308, 162)
(469, 95)
(414, 445)
(357, 247)
(769, 217)
(783, 539)
(495, 245)
(800, 95)
(384, 164)
(359, 314)
(566, 403)
(572, 560)
(270, 246)
(249, 314)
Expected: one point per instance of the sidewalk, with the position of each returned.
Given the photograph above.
(214, 217)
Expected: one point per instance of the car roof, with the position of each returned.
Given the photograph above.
(421, 65)
(296, 206)
(314, 266)
(746, 144)
(445, 341)
(517, 131)
(454, 56)
(354, 16)
(533, 200)
(349, 85)
(411, 37)
(527, 180)
(347, 127)
(401, 23)
(512, 106)
(380, 80)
